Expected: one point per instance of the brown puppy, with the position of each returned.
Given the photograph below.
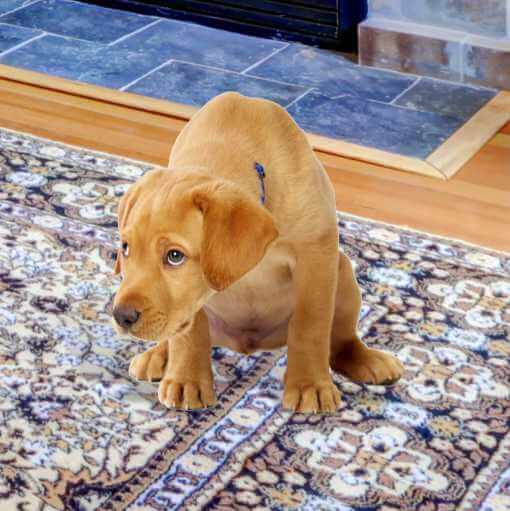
(205, 263)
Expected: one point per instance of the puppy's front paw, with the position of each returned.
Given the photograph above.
(187, 395)
(149, 365)
(320, 397)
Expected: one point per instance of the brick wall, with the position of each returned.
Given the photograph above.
(461, 40)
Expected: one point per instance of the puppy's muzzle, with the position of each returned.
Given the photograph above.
(126, 316)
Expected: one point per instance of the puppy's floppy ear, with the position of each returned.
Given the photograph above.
(236, 232)
(125, 205)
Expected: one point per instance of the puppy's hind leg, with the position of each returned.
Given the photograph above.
(349, 356)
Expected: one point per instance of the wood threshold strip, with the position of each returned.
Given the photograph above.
(472, 136)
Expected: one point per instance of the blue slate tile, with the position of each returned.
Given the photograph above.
(79, 20)
(195, 85)
(9, 5)
(374, 124)
(11, 36)
(332, 74)
(447, 98)
(80, 60)
(176, 40)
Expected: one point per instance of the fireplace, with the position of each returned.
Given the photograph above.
(326, 23)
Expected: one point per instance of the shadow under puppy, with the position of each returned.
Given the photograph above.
(217, 252)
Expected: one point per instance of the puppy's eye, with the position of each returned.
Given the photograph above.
(175, 257)
(125, 249)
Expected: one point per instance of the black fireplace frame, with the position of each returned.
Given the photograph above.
(324, 23)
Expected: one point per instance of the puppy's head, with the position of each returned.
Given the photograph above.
(182, 239)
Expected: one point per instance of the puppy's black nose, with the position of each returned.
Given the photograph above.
(125, 315)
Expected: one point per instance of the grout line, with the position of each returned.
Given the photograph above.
(19, 8)
(55, 34)
(301, 96)
(240, 73)
(136, 80)
(398, 96)
(214, 68)
(276, 81)
(343, 95)
(126, 36)
(401, 107)
(236, 73)
(179, 61)
(371, 100)
(456, 82)
(267, 57)
(24, 43)
(73, 38)
(411, 109)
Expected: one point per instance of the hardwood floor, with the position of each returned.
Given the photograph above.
(473, 206)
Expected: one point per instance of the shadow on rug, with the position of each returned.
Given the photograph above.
(77, 433)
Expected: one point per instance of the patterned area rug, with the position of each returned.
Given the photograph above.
(77, 433)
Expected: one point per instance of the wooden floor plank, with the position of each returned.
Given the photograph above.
(473, 206)
(90, 105)
(492, 165)
(468, 187)
(501, 140)
(76, 128)
(422, 209)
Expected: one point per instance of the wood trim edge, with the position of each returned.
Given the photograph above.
(457, 150)
(371, 155)
(86, 90)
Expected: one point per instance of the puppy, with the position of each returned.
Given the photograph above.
(236, 245)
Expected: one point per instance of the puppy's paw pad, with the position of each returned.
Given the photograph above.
(186, 395)
(373, 367)
(318, 398)
(148, 366)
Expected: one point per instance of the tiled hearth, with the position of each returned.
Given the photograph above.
(325, 91)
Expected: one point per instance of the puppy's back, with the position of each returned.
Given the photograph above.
(231, 132)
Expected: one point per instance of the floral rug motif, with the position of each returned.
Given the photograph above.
(77, 433)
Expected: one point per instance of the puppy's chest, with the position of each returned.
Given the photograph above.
(253, 308)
